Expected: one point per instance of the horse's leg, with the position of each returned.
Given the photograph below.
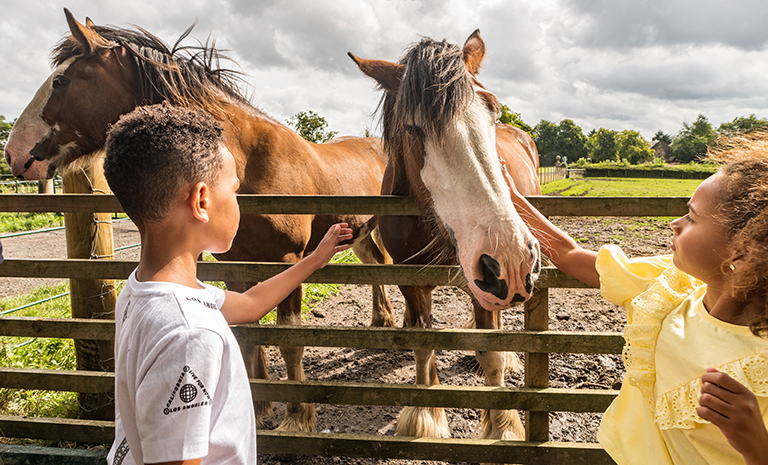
(299, 417)
(497, 424)
(369, 251)
(422, 421)
(255, 359)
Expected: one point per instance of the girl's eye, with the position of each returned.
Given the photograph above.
(688, 217)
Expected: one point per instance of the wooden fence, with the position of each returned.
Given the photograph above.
(536, 398)
(549, 174)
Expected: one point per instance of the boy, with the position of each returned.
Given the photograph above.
(182, 393)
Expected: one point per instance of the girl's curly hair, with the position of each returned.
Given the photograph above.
(743, 210)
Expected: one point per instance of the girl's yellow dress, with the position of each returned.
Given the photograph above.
(670, 342)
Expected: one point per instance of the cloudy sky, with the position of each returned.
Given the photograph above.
(643, 65)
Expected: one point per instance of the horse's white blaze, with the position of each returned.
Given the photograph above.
(463, 174)
(30, 129)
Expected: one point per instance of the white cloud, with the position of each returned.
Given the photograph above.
(644, 65)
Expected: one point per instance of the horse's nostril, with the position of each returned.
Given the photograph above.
(490, 266)
(528, 283)
(491, 282)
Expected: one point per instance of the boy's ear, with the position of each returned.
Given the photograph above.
(199, 202)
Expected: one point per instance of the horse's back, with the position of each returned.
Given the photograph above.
(358, 162)
(518, 150)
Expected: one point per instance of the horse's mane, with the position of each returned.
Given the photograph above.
(435, 90)
(185, 75)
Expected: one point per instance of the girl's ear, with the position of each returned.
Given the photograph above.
(199, 202)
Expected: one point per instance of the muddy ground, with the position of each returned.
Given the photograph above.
(570, 310)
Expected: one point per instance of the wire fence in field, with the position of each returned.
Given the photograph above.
(12, 185)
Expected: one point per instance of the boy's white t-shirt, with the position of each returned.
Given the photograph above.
(181, 389)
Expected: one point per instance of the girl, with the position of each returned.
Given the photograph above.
(697, 320)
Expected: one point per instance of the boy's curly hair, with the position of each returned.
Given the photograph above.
(743, 211)
(155, 151)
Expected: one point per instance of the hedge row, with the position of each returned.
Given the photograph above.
(641, 172)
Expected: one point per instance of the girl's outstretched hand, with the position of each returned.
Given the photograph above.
(329, 245)
(733, 408)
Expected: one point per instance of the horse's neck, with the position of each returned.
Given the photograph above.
(250, 132)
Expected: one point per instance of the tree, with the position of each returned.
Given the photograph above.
(571, 140)
(743, 124)
(565, 139)
(5, 131)
(311, 126)
(514, 119)
(545, 136)
(632, 146)
(601, 145)
(692, 141)
(662, 136)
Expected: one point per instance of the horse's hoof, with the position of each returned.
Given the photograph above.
(502, 424)
(262, 409)
(388, 322)
(423, 422)
(299, 418)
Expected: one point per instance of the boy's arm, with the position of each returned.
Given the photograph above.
(257, 301)
(733, 408)
(556, 244)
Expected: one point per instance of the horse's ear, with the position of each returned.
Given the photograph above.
(89, 39)
(386, 73)
(474, 52)
(89, 23)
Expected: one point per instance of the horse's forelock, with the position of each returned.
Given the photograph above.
(435, 87)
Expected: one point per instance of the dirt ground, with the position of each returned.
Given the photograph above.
(570, 310)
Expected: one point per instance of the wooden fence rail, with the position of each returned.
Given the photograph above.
(536, 341)
(359, 205)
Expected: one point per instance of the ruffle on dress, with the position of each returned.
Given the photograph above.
(676, 408)
(649, 309)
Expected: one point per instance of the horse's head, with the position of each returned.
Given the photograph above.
(102, 72)
(439, 124)
(90, 87)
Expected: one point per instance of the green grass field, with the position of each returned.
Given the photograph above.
(38, 353)
(13, 222)
(613, 187)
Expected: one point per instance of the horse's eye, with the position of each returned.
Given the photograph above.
(413, 131)
(60, 81)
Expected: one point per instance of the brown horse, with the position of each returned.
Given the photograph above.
(444, 145)
(103, 72)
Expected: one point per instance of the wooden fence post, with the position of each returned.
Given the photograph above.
(45, 186)
(89, 235)
(537, 364)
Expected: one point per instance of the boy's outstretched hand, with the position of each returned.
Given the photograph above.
(329, 245)
(733, 408)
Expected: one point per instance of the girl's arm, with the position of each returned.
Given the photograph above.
(257, 301)
(561, 249)
(733, 408)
